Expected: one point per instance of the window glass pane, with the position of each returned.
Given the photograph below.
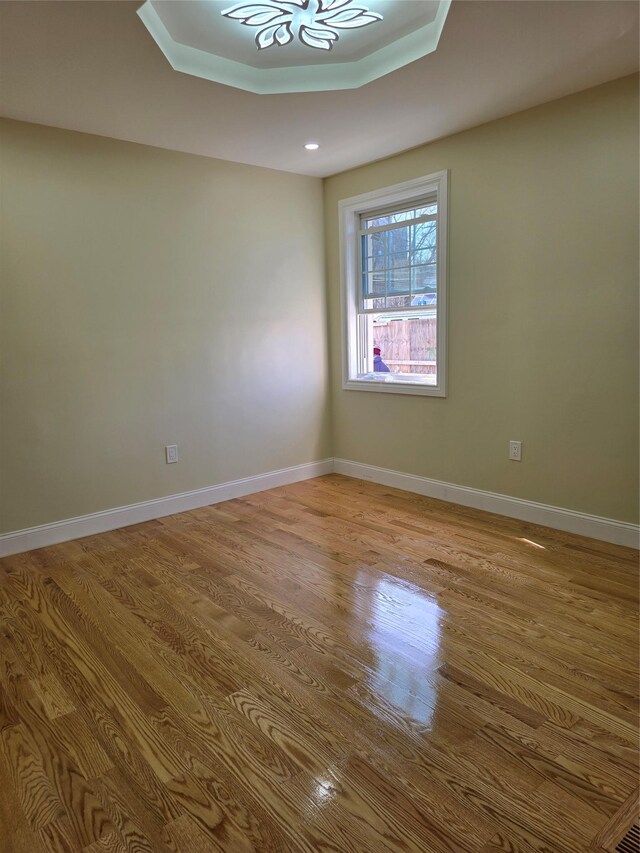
(399, 259)
(423, 278)
(375, 284)
(424, 256)
(377, 243)
(425, 234)
(398, 240)
(425, 299)
(389, 302)
(399, 282)
(407, 346)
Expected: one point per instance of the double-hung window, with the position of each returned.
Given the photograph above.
(394, 255)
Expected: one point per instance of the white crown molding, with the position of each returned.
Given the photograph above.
(123, 516)
(605, 529)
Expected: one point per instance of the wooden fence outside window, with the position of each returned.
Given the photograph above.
(407, 345)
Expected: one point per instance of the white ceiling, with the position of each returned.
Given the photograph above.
(92, 66)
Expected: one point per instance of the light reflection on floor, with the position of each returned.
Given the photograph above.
(404, 637)
(322, 792)
(531, 542)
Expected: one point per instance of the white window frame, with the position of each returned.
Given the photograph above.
(350, 212)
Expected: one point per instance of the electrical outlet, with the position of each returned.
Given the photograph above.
(515, 451)
(171, 453)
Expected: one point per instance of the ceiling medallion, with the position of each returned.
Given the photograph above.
(314, 22)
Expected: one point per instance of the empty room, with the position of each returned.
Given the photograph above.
(319, 440)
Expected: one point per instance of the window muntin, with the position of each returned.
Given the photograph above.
(394, 287)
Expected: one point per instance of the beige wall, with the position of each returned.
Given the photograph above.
(543, 333)
(152, 298)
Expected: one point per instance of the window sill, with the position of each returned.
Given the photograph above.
(393, 386)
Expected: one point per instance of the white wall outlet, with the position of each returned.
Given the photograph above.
(171, 453)
(515, 451)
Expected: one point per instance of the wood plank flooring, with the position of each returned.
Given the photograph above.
(328, 666)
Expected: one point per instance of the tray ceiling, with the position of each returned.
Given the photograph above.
(271, 46)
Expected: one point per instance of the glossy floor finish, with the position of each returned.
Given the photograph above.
(328, 666)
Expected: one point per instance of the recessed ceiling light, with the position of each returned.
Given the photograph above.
(312, 146)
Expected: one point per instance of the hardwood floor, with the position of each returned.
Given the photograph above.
(328, 666)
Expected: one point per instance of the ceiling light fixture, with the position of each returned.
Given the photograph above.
(312, 146)
(314, 22)
(217, 39)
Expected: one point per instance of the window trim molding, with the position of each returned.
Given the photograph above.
(350, 210)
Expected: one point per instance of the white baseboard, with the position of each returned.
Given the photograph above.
(605, 529)
(123, 516)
